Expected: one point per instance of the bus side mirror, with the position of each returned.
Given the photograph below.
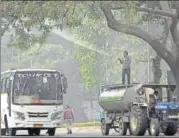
(64, 84)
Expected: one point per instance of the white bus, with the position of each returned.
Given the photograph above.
(32, 100)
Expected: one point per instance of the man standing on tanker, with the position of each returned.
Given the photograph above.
(126, 62)
(69, 118)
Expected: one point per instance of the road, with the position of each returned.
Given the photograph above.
(78, 132)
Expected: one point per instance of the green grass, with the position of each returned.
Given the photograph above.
(84, 124)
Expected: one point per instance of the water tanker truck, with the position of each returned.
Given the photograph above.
(139, 108)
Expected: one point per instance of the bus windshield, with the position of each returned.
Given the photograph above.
(43, 86)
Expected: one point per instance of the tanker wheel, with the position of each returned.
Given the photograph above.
(138, 121)
(122, 127)
(171, 129)
(154, 127)
(105, 128)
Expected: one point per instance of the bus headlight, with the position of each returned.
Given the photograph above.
(56, 116)
(19, 116)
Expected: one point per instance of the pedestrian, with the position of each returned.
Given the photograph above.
(126, 70)
(69, 118)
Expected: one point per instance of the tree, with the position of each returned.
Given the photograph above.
(170, 55)
(24, 16)
(106, 45)
(87, 26)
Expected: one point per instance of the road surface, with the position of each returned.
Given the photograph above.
(77, 132)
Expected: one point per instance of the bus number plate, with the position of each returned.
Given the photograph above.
(38, 125)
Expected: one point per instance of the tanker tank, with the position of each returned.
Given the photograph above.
(116, 98)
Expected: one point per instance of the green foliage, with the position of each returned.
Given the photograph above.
(132, 10)
(107, 68)
(87, 65)
(25, 16)
(86, 25)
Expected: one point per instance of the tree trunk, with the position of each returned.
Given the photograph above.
(176, 78)
(157, 73)
(175, 71)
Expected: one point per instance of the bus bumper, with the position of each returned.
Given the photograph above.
(31, 124)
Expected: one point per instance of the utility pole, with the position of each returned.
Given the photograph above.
(0, 44)
(12, 54)
(148, 51)
(18, 57)
(106, 66)
(31, 63)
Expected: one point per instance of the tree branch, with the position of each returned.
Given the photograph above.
(166, 32)
(138, 32)
(164, 39)
(173, 26)
(149, 10)
(174, 31)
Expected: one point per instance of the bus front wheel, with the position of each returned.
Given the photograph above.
(33, 131)
(10, 131)
(3, 132)
(30, 132)
(37, 132)
(51, 131)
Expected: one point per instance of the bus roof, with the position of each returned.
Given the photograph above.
(28, 69)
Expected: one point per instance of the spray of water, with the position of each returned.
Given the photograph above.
(72, 40)
(76, 43)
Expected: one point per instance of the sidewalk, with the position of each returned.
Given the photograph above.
(81, 129)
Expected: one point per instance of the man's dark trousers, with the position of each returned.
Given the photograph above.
(124, 73)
